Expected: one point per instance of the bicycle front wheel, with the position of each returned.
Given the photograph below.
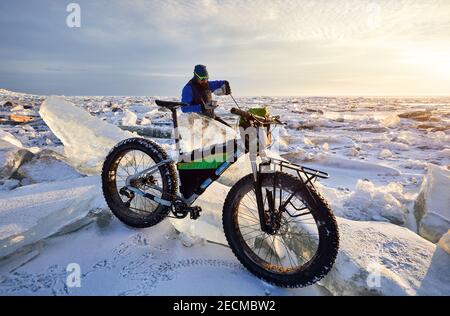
(304, 241)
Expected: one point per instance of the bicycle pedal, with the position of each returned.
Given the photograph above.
(125, 192)
(195, 212)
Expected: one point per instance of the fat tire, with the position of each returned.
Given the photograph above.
(110, 192)
(328, 230)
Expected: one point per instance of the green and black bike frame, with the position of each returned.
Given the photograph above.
(200, 168)
(197, 174)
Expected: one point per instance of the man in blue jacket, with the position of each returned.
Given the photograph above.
(198, 93)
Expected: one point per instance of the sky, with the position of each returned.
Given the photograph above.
(263, 47)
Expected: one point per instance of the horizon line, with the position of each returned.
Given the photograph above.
(260, 96)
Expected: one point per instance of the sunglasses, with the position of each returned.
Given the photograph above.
(200, 77)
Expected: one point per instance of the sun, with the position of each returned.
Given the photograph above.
(433, 62)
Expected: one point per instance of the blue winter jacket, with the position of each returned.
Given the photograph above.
(188, 95)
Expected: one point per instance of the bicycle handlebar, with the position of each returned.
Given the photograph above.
(256, 118)
(242, 113)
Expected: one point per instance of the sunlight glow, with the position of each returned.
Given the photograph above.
(433, 62)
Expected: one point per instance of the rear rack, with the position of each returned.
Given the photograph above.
(309, 173)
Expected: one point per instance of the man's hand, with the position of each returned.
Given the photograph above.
(224, 89)
(227, 88)
(211, 105)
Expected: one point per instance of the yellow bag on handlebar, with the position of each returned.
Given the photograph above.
(263, 112)
(243, 123)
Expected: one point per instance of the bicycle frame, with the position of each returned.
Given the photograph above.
(278, 226)
(197, 170)
(200, 168)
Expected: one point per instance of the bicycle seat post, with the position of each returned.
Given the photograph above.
(175, 129)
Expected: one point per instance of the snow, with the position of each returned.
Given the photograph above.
(373, 202)
(87, 140)
(376, 151)
(8, 184)
(117, 260)
(432, 208)
(385, 153)
(391, 121)
(9, 138)
(332, 161)
(385, 259)
(11, 158)
(129, 119)
(46, 167)
(417, 115)
(209, 225)
(31, 213)
(444, 242)
(445, 153)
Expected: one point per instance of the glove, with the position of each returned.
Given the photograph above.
(224, 89)
(211, 105)
(227, 88)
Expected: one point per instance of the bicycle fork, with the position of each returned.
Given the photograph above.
(257, 181)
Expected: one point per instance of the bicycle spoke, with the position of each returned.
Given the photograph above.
(262, 241)
(257, 217)
(141, 161)
(137, 161)
(296, 239)
(271, 250)
(252, 231)
(134, 166)
(248, 218)
(289, 255)
(249, 225)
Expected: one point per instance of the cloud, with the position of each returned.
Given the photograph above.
(308, 43)
(290, 20)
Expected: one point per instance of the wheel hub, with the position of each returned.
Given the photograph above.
(273, 221)
(144, 181)
(284, 227)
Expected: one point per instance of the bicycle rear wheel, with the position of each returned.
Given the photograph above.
(128, 158)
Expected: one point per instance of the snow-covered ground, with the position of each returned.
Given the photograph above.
(389, 161)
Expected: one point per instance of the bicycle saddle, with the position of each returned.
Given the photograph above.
(170, 105)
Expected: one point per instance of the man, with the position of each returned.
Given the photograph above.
(198, 93)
